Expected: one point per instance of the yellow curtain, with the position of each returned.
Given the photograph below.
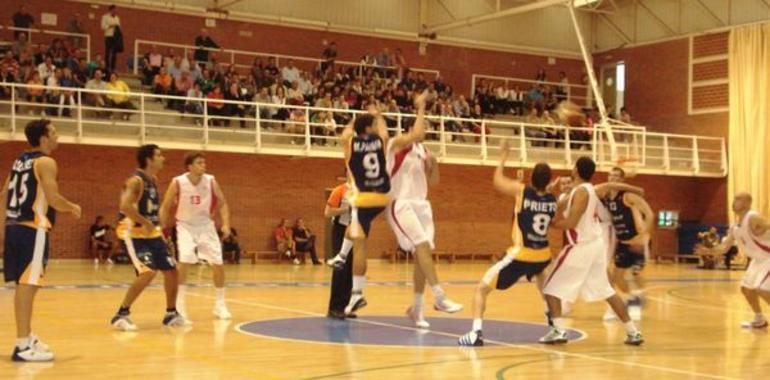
(749, 139)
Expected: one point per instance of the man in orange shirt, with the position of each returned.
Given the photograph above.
(161, 85)
(338, 208)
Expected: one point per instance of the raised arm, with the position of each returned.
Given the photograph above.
(417, 133)
(502, 183)
(169, 201)
(128, 201)
(224, 210)
(637, 202)
(346, 136)
(602, 190)
(380, 126)
(47, 170)
(579, 205)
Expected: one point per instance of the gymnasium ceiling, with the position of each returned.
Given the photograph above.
(528, 25)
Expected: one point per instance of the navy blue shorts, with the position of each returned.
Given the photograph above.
(512, 272)
(25, 254)
(366, 217)
(628, 256)
(149, 255)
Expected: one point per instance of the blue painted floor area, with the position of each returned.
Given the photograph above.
(395, 331)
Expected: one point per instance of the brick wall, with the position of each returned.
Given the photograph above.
(455, 63)
(470, 216)
(656, 89)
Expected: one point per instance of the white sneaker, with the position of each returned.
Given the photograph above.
(109, 261)
(31, 354)
(336, 262)
(357, 301)
(296, 262)
(417, 318)
(123, 323)
(755, 324)
(447, 306)
(288, 253)
(96, 261)
(554, 336)
(38, 344)
(221, 312)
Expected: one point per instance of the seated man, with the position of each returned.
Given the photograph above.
(709, 239)
(304, 241)
(231, 246)
(284, 241)
(100, 244)
(119, 98)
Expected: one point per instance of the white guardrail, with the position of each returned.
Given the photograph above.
(453, 140)
(35, 35)
(244, 59)
(577, 93)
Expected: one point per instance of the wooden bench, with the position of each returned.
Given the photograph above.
(260, 255)
(680, 258)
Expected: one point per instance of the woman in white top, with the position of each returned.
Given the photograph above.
(113, 38)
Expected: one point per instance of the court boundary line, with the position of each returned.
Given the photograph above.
(510, 345)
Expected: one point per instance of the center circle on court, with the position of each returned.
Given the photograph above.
(383, 330)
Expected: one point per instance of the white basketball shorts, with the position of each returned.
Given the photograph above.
(757, 275)
(198, 243)
(412, 222)
(580, 270)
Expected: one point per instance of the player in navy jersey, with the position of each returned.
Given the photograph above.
(32, 199)
(140, 230)
(530, 254)
(365, 139)
(632, 221)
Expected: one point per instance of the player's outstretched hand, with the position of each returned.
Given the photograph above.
(77, 212)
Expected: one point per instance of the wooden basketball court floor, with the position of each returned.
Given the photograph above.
(691, 322)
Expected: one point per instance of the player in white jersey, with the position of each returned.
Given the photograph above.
(197, 196)
(412, 168)
(750, 233)
(581, 267)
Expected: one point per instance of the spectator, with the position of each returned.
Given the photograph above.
(100, 246)
(296, 125)
(272, 69)
(203, 42)
(709, 239)
(46, 69)
(553, 134)
(533, 131)
(96, 99)
(120, 96)
(516, 98)
(232, 246)
(75, 26)
(476, 126)
(182, 85)
(161, 84)
(206, 82)
(113, 37)
(284, 241)
(540, 76)
(35, 93)
(214, 106)
(264, 97)
(53, 93)
(290, 73)
(96, 64)
(153, 61)
(9, 72)
(304, 240)
(400, 63)
(22, 19)
(329, 55)
(562, 90)
(294, 95)
(502, 103)
(625, 117)
(21, 45)
(279, 99)
(238, 94)
(194, 104)
(325, 126)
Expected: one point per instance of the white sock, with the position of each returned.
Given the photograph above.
(180, 297)
(438, 292)
(220, 295)
(637, 292)
(347, 245)
(23, 343)
(476, 324)
(418, 297)
(358, 284)
(630, 327)
(558, 323)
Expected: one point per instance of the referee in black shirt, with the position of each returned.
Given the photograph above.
(338, 208)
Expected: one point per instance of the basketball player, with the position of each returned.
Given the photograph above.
(139, 227)
(197, 196)
(410, 216)
(30, 212)
(365, 139)
(529, 255)
(632, 222)
(749, 232)
(581, 267)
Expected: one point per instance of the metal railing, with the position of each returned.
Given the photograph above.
(244, 59)
(263, 129)
(577, 93)
(33, 35)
